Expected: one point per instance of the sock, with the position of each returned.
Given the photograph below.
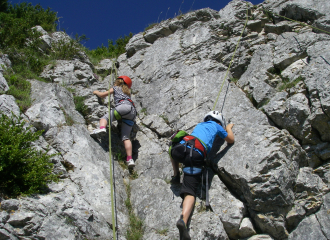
(128, 158)
(102, 127)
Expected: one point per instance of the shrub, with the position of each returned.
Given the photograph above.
(112, 51)
(20, 89)
(17, 21)
(23, 169)
(80, 105)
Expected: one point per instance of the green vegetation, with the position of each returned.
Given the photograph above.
(136, 229)
(286, 84)
(23, 169)
(112, 51)
(162, 232)
(151, 25)
(144, 111)
(80, 105)
(165, 118)
(234, 80)
(20, 89)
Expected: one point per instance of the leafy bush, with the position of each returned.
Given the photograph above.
(17, 21)
(23, 169)
(112, 51)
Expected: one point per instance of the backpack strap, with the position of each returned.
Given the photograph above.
(130, 100)
(194, 142)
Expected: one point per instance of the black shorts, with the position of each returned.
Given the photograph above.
(190, 184)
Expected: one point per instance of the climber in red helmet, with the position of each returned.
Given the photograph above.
(124, 110)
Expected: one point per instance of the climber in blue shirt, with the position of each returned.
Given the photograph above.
(191, 152)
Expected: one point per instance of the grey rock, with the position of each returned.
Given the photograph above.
(230, 210)
(4, 62)
(136, 43)
(145, 204)
(246, 229)
(324, 173)
(11, 204)
(3, 84)
(317, 83)
(69, 73)
(261, 237)
(8, 106)
(255, 79)
(4, 216)
(158, 125)
(279, 28)
(58, 37)
(255, 25)
(234, 9)
(268, 224)
(46, 41)
(306, 10)
(292, 114)
(18, 219)
(4, 235)
(156, 32)
(295, 215)
(51, 106)
(309, 228)
(207, 225)
(309, 190)
(105, 66)
(323, 216)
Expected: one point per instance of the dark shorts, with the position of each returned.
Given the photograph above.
(190, 184)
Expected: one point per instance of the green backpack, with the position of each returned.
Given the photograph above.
(176, 138)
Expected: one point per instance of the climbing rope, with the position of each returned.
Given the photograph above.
(232, 58)
(111, 162)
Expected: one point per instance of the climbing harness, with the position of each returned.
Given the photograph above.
(112, 188)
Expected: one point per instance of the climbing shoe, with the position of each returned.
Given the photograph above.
(184, 235)
(99, 132)
(130, 163)
(175, 179)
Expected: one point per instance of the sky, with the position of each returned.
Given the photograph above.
(101, 20)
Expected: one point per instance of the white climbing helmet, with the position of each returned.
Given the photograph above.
(216, 116)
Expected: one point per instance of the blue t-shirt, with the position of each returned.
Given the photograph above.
(207, 131)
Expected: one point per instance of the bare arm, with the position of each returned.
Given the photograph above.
(103, 94)
(230, 138)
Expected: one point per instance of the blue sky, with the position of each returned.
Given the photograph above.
(101, 20)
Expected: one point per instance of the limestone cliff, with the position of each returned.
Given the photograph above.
(273, 183)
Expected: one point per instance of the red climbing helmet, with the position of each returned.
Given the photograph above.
(127, 80)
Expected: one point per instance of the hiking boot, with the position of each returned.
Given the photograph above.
(130, 163)
(184, 235)
(175, 179)
(98, 132)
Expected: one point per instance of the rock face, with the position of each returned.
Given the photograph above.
(273, 183)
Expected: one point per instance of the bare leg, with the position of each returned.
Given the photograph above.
(187, 207)
(175, 166)
(128, 147)
(103, 122)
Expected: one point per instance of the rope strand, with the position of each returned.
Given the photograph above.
(247, 18)
(111, 163)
